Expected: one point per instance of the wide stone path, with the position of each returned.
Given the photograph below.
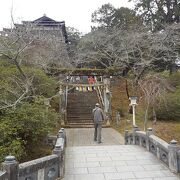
(90, 161)
(84, 137)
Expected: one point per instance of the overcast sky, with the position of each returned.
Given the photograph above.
(75, 13)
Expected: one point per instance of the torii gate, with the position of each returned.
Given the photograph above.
(102, 88)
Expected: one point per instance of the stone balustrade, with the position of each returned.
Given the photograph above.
(168, 153)
(3, 175)
(46, 168)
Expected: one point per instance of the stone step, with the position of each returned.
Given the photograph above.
(83, 126)
(78, 126)
(80, 113)
(79, 109)
(80, 120)
(79, 117)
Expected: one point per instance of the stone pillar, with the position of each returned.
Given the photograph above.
(149, 132)
(11, 166)
(178, 154)
(61, 133)
(66, 96)
(135, 128)
(107, 99)
(126, 137)
(61, 105)
(58, 151)
(106, 82)
(64, 136)
(172, 156)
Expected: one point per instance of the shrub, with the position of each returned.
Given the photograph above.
(13, 86)
(25, 125)
(174, 79)
(170, 110)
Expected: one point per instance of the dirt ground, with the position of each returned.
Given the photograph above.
(167, 130)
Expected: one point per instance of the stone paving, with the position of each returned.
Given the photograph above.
(84, 137)
(109, 162)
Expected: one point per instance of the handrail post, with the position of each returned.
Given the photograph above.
(126, 139)
(149, 132)
(60, 151)
(135, 128)
(61, 105)
(172, 156)
(11, 166)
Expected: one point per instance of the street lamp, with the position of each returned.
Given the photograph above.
(133, 103)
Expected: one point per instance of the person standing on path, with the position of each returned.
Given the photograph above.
(98, 117)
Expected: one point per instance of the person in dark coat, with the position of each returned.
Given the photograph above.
(98, 117)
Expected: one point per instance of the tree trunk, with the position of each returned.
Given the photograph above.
(176, 11)
(146, 117)
(169, 15)
(154, 116)
(127, 90)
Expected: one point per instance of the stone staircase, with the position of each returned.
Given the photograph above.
(79, 108)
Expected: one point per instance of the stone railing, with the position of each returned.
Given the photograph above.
(46, 168)
(167, 153)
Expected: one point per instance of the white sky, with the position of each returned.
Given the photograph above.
(75, 13)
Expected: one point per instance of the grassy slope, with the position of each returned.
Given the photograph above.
(166, 130)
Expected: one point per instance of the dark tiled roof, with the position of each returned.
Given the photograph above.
(46, 20)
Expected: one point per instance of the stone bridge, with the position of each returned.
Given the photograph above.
(87, 160)
(140, 155)
(137, 155)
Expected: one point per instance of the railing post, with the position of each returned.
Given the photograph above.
(64, 135)
(149, 132)
(106, 82)
(11, 166)
(178, 154)
(172, 156)
(135, 128)
(58, 151)
(126, 137)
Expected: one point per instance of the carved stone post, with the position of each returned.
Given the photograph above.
(11, 166)
(64, 135)
(135, 128)
(61, 133)
(61, 105)
(107, 97)
(126, 137)
(66, 96)
(149, 132)
(178, 153)
(58, 151)
(172, 156)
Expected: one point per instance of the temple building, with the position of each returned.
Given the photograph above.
(42, 25)
(48, 41)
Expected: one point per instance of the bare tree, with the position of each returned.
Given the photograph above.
(25, 45)
(136, 50)
(153, 88)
